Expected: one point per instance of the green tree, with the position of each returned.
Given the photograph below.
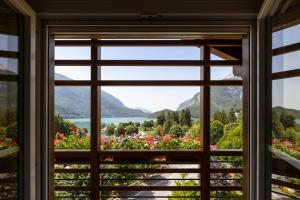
(195, 130)
(231, 118)
(131, 129)
(277, 127)
(147, 125)
(62, 125)
(185, 117)
(110, 129)
(221, 116)
(161, 118)
(290, 134)
(287, 119)
(174, 118)
(232, 139)
(176, 130)
(167, 123)
(120, 130)
(216, 131)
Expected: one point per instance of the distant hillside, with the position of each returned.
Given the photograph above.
(154, 115)
(295, 113)
(74, 102)
(222, 98)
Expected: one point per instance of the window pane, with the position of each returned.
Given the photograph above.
(150, 117)
(150, 53)
(286, 36)
(8, 139)
(72, 53)
(150, 73)
(8, 66)
(226, 73)
(72, 73)
(8, 42)
(72, 117)
(286, 62)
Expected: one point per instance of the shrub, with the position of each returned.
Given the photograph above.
(289, 134)
(176, 130)
(232, 139)
(62, 125)
(216, 131)
(287, 120)
(120, 130)
(147, 125)
(184, 195)
(159, 130)
(131, 129)
(110, 129)
(194, 130)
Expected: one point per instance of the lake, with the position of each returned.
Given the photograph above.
(85, 122)
(297, 121)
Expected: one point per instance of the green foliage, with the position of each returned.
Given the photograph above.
(221, 116)
(289, 134)
(185, 117)
(120, 130)
(159, 130)
(216, 131)
(195, 130)
(277, 127)
(167, 124)
(231, 118)
(232, 139)
(287, 120)
(148, 125)
(184, 195)
(176, 130)
(110, 129)
(131, 129)
(174, 118)
(161, 118)
(63, 126)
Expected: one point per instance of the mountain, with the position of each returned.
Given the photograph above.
(74, 102)
(143, 110)
(222, 98)
(155, 114)
(294, 112)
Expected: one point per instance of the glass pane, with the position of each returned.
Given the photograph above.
(150, 73)
(286, 36)
(72, 53)
(286, 134)
(226, 73)
(72, 73)
(226, 116)
(150, 117)
(8, 139)
(150, 53)
(286, 62)
(8, 42)
(8, 66)
(72, 117)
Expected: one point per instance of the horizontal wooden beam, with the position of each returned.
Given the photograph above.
(286, 49)
(156, 43)
(152, 63)
(146, 170)
(8, 77)
(285, 184)
(9, 54)
(286, 74)
(150, 188)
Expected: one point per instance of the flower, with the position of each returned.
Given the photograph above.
(287, 143)
(166, 138)
(149, 139)
(213, 147)
(57, 141)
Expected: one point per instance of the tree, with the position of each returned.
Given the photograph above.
(277, 127)
(176, 130)
(110, 129)
(185, 117)
(287, 120)
(131, 129)
(221, 116)
(174, 118)
(138, 124)
(290, 134)
(120, 130)
(232, 139)
(147, 125)
(161, 118)
(216, 131)
(231, 118)
(195, 130)
(167, 123)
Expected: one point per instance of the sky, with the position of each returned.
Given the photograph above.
(150, 98)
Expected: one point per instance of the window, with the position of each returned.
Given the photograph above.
(285, 114)
(147, 118)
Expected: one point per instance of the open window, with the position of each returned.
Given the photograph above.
(149, 118)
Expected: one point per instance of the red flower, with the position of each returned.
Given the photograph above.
(166, 138)
(57, 141)
(149, 139)
(61, 135)
(13, 142)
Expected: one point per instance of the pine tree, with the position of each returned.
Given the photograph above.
(231, 118)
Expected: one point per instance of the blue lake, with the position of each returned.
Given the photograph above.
(85, 122)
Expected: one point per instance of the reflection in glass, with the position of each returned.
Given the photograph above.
(286, 36)
(72, 73)
(150, 117)
(226, 73)
(8, 42)
(8, 66)
(72, 117)
(72, 53)
(285, 62)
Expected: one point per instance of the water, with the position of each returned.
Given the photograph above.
(85, 122)
(297, 121)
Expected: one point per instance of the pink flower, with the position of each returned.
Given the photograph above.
(57, 141)
(287, 143)
(167, 138)
(213, 147)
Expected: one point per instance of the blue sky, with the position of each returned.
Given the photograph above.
(151, 98)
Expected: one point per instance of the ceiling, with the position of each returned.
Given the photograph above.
(164, 8)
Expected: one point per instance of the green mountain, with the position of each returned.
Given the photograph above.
(222, 98)
(156, 114)
(74, 102)
(294, 112)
